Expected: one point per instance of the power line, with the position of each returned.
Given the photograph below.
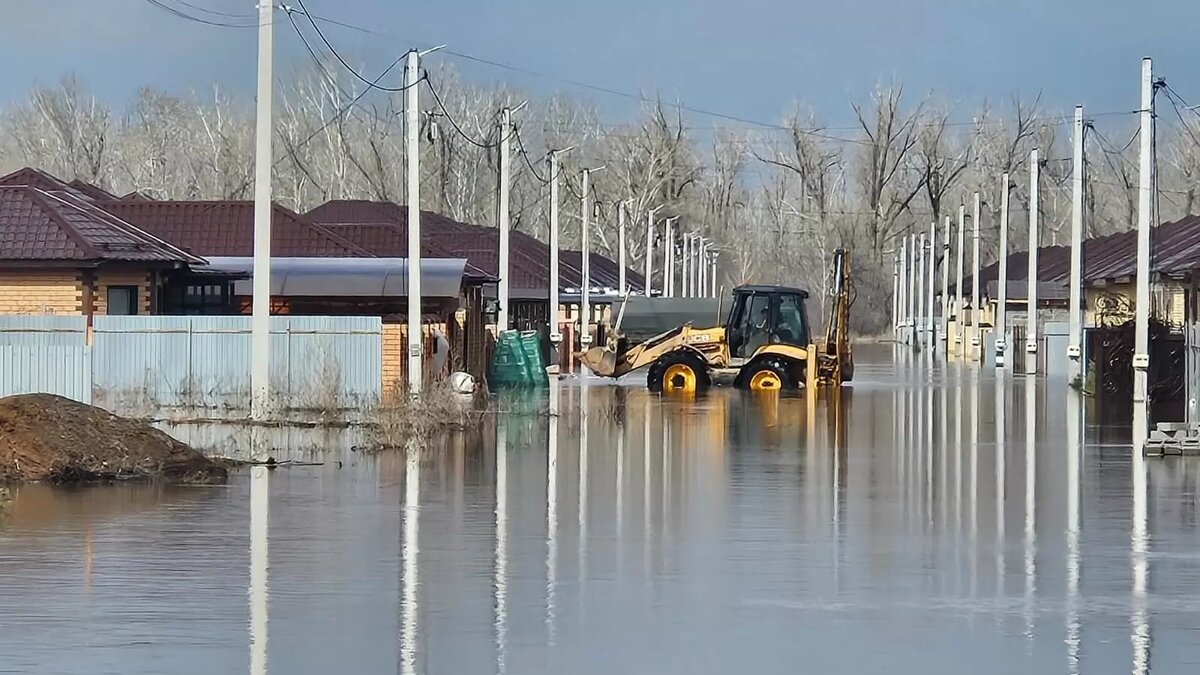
(197, 19)
(217, 12)
(450, 118)
(338, 56)
(525, 156)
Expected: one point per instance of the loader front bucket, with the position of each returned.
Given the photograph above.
(600, 361)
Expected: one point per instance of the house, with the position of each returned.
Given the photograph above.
(480, 245)
(62, 254)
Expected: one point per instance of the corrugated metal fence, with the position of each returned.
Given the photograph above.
(145, 364)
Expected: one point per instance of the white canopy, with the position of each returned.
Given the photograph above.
(348, 277)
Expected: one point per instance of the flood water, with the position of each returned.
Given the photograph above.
(932, 520)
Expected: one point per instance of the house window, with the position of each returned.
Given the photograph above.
(122, 300)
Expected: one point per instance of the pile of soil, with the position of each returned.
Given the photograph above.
(51, 438)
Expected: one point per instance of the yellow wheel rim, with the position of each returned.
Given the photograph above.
(765, 380)
(679, 377)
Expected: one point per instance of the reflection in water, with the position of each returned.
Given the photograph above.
(774, 532)
(259, 510)
(500, 583)
(409, 554)
(552, 515)
(1074, 452)
(1030, 503)
(1139, 546)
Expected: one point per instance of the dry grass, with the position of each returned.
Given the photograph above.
(402, 418)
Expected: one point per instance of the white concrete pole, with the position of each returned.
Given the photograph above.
(1075, 316)
(260, 322)
(502, 318)
(703, 267)
(687, 266)
(585, 284)
(976, 347)
(695, 273)
(1141, 344)
(1031, 283)
(919, 329)
(1002, 279)
(712, 274)
(946, 287)
(555, 336)
(669, 257)
(650, 250)
(959, 314)
(896, 296)
(932, 258)
(914, 289)
(903, 316)
(412, 151)
(622, 283)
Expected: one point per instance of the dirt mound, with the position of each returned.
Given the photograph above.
(50, 438)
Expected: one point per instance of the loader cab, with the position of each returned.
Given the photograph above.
(763, 315)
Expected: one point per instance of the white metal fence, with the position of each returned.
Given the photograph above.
(147, 365)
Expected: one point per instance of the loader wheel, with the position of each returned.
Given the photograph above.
(678, 372)
(767, 375)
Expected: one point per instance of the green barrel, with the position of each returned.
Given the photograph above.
(517, 361)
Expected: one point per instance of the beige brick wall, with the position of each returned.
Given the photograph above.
(104, 279)
(394, 340)
(40, 293)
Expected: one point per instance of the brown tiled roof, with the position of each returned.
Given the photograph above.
(226, 228)
(44, 181)
(479, 244)
(389, 240)
(96, 193)
(62, 225)
(1175, 250)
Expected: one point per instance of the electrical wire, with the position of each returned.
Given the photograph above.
(197, 19)
(525, 156)
(338, 56)
(216, 12)
(450, 118)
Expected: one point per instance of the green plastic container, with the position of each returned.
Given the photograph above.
(517, 362)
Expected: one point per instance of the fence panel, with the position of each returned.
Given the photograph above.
(143, 364)
(64, 370)
(43, 330)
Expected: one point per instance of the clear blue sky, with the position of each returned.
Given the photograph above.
(750, 58)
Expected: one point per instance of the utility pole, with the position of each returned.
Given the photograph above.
(913, 289)
(946, 288)
(669, 258)
(412, 152)
(1031, 283)
(555, 336)
(960, 319)
(713, 274)
(503, 217)
(703, 267)
(919, 329)
(1141, 346)
(976, 347)
(931, 338)
(1075, 347)
(260, 336)
(621, 283)
(686, 283)
(903, 290)
(1002, 280)
(585, 300)
(896, 296)
(650, 250)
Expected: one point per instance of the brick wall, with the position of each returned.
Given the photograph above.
(40, 293)
(140, 279)
(393, 358)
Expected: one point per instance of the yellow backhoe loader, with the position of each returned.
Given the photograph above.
(765, 344)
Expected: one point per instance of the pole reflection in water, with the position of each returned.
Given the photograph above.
(584, 415)
(1139, 547)
(1074, 456)
(1001, 476)
(412, 511)
(1030, 503)
(647, 525)
(929, 443)
(958, 452)
(620, 478)
(552, 515)
(944, 461)
(974, 488)
(500, 564)
(260, 482)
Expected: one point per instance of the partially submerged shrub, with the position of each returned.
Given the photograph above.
(403, 417)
